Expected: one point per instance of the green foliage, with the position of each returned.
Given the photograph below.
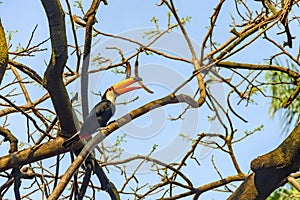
(281, 87)
(257, 129)
(78, 3)
(288, 192)
(186, 19)
(155, 21)
(98, 60)
(20, 48)
(49, 117)
(212, 118)
(186, 137)
(9, 35)
(120, 139)
(183, 21)
(117, 70)
(117, 146)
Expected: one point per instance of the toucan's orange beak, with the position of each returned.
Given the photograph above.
(121, 87)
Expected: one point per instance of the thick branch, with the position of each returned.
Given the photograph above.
(53, 81)
(3, 53)
(33, 154)
(271, 169)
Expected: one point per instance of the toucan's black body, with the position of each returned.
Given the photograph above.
(102, 112)
(98, 117)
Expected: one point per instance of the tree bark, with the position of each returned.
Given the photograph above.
(271, 170)
(53, 80)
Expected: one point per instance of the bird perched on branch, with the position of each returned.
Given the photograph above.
(103, 111)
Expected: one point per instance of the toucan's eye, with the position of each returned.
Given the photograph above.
(110, 89)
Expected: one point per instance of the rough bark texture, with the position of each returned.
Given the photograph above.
(271, 169)
(33, 154)
(53, 80)
(3, 53)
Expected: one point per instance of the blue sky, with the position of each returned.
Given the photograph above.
(128, 17)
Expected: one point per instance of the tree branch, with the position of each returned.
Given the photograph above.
(33, 154)
(235, 65)
(53, 81)
(295, 75)
(196, 62)
(271, 169)
(8, 136)
(26, 70)
(209, 186)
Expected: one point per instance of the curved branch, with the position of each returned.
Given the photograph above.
(55, 147)
(8, 136)
(292, 97)
(196, 63)
(53, 81)
(27, 115)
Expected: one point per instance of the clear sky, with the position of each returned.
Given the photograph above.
(132, 18)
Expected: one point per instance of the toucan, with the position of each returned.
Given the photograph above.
(102, 111)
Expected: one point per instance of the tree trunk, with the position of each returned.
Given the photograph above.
(271, 170)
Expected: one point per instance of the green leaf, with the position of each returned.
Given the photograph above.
(281, 87)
